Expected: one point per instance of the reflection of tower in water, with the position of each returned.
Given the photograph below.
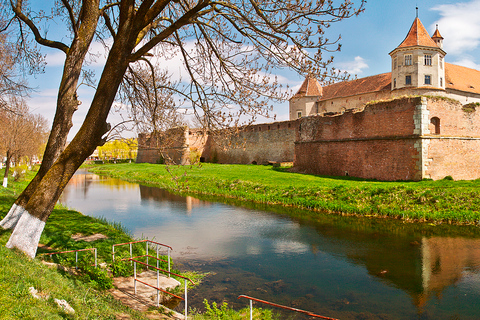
(445, 261)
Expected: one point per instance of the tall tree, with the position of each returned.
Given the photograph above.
(229, 49)
(21, 133)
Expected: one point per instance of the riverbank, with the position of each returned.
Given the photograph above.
(87, 291)
(443, 201)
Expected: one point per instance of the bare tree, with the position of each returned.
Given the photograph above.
(229, 49)
(21, 133)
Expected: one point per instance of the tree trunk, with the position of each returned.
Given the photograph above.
(29, 228)
(67, 104)
(7, 168)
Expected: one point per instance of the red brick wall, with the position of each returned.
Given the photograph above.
(370, 159)
(454, 157)
(455, 151)
(254, 144)
(376, 143)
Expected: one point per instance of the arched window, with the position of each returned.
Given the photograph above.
(435, 125)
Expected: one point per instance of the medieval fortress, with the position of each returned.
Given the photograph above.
(421, 120)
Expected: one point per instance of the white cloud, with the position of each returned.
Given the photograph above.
(460, 26)
(467, 62)
(354, 67)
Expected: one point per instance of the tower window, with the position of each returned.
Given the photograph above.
(408, 59)
(441, 62)
(428, 79)
(408, 80)
(395, 63)
(395, 82)
(299, 114)
(428, 59)
(441, 82)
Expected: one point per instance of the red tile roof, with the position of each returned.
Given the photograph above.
(309, 88)
(437, 35)
(462, 78)
(417, 36)
(359, 86)
(456, 77)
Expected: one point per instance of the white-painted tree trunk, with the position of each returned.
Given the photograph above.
(12, 217)
(5, 182)
(26, 234)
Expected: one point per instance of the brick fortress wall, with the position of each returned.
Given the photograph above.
(376, 142)
(401, 139)
(394, 140)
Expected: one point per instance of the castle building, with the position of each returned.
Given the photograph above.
(419, 121)
(418, 68)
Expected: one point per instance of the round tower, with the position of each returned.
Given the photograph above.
(418, 62)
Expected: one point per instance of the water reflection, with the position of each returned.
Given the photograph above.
(344, 267)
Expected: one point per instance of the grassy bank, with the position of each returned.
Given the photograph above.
(444, 201)
(86, 291)
(83, 292)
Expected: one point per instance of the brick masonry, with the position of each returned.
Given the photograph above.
(407, 138)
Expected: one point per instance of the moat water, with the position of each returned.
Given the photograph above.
(340, 267)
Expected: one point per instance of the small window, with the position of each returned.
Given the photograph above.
(408, 80)
(395, 82)
(395, 63)
(299, 114)
(428, 79)
(436, 125)
(428, 59)
(408, 59)
(441, 82)
(441, 62)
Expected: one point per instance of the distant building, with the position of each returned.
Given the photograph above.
(418, 68)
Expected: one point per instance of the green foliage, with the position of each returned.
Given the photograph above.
(194, 156)
(122, 268)
(223, 312)
(448, 178)
(470, 107)
(214, 312)
(19, 172)
(118, 149)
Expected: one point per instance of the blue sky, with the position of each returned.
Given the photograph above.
(366, 41)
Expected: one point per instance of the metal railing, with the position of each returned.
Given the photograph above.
(280, 306)
(146, 248)
(76, 254)
(135, 280)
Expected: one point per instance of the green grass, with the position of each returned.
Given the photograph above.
(443, 201)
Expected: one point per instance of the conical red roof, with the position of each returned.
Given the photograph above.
(417, 36)
(309, 88)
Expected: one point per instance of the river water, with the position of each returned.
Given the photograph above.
(341, 267)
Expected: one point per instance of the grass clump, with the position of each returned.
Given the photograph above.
(223, 312)
(443, 201)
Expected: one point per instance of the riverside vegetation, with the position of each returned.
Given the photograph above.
(86, 290)
(442, 201)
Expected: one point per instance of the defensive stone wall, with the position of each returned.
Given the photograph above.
(259, 144)
(454, 146)
(402, 139)
(376, 142)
